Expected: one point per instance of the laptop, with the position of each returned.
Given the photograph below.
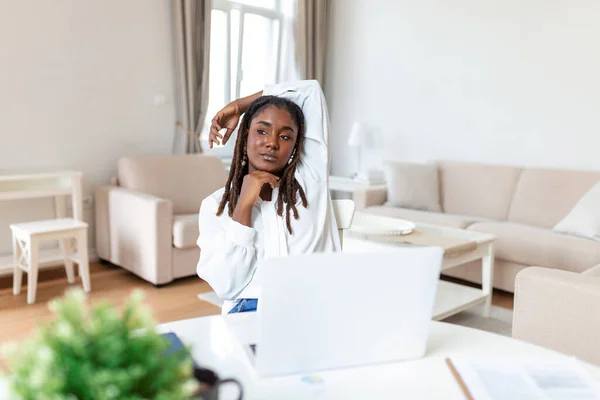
(335, 310)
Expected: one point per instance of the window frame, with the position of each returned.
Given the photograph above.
(274, 14)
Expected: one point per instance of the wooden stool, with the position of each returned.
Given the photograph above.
(27, 238)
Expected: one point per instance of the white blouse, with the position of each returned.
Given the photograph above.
(231, 253)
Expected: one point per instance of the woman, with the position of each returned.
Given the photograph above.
(276, 201)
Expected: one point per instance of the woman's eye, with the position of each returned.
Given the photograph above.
(261, 132)
(285, 137)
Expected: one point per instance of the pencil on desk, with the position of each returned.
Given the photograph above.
(459, 379)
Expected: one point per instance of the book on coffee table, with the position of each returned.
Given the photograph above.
(523, 378)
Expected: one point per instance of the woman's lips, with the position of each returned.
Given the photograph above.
(269, 157)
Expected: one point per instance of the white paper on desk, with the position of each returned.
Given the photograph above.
(526, 378)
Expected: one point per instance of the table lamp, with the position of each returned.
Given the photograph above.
(359, 137)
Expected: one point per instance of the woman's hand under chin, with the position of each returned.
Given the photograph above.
(251, 188)
(253, 184)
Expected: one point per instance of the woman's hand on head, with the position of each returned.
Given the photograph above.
(227, 119)
(252, 186)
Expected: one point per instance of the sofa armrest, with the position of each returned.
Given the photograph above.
(556, 309)
(141, 229)
(370, 197)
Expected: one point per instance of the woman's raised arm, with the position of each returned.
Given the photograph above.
(309, 96)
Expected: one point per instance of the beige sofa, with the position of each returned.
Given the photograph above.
(147, 223)
(556, 309)
(518, 205)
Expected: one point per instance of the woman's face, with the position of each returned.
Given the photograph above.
(271, 140)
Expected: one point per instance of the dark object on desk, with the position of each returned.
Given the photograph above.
(208, 379)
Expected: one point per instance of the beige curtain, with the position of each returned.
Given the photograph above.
(311, 34)
(191, 22)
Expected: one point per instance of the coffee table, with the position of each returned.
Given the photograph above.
(460, 247)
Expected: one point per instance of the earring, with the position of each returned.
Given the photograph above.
(244, 158)
(292, 157)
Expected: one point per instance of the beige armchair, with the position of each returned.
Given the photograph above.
(147, 223)
(557, 309)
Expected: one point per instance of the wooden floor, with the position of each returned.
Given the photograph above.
(503, 299)
(171, 302)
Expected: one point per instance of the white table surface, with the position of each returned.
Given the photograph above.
(215, 346)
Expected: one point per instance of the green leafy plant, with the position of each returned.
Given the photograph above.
(101, 354)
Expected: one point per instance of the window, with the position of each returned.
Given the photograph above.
(246, 50)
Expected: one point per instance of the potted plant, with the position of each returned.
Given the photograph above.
(100, 354)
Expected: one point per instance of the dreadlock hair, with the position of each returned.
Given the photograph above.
(289, 188)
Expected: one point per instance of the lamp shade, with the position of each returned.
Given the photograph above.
(359, 135)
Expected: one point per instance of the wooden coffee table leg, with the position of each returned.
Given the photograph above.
(487, 279)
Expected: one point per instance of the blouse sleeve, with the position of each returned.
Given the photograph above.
(315, 155)
(227, 253)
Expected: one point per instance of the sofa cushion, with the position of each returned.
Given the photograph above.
(543, 197)
(184, 179)
(412, 185)
(532, 245)
(584, 218)
(594, 271)
(185, 231)
(477, 189)
(426, 217)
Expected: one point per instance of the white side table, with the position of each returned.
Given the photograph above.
(351, 186)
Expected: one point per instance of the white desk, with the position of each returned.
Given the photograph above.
(215, 347)
(57, 184)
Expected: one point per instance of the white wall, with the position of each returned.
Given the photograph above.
(78, 81)
(501, 81)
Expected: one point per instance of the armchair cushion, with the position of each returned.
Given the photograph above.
(185, 231)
